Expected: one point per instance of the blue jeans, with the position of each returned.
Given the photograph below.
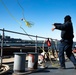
(67, 47)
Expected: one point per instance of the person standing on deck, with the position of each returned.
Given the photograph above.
(66, 42)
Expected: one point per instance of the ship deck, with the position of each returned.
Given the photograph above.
(50, 70)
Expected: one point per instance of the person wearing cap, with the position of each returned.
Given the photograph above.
(66, 41)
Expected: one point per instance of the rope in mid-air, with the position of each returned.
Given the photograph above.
(29, 24)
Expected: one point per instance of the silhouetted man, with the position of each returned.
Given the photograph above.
(67, 40)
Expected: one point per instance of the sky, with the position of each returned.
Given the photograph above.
(42, 13)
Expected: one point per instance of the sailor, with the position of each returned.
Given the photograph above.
(66, 41)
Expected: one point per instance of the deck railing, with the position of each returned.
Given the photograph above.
(29, 35)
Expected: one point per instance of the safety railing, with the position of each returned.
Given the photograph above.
(36, 39)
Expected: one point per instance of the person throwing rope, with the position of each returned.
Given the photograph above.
(66, 42)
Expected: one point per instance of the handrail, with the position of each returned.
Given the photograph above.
(24, 34)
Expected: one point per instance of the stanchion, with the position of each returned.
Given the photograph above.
(32, 61)
(19, 62)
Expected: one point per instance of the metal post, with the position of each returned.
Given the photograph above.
(56, 43)
(2, 40)
(36, 45)
(43, 45)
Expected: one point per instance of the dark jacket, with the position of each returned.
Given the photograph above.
(66, 30)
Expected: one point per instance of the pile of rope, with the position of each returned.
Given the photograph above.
(49, 56)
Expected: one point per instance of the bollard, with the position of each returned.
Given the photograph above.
(32, 61)
(19, 62)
